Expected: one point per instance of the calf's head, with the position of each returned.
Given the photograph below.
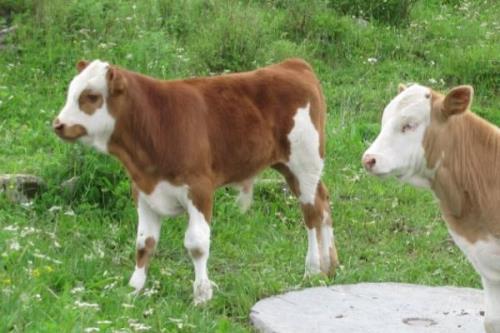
(407, 121)
(86, 116)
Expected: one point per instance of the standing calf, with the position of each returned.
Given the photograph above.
(180, 140)
(434, 141)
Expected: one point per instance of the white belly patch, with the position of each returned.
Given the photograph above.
(167, 199)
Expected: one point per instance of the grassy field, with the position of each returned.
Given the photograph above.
(66, 258)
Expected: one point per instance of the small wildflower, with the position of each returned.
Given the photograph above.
(83, 305)
(138, 327)
(14, 246)
(432, 81)
(77, 290)
(12, 228)
(372, 61)
(55, 209)
(91, 329)
(28, 204)
(104, 322)
(35, 273)
(43, 256)
(69, 212)
(110, 286)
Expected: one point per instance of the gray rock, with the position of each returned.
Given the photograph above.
(372, 308)
(21, 188)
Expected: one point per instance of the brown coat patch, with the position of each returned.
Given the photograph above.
(467, 181)
(211, 131)
(89, 101)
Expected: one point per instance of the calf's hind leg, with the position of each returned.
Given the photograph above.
(197, 242)
(318, 221)
(321, 252)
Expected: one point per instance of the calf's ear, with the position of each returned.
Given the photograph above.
(458, 100)
(116, 81)
(401, 87)
(80, 65)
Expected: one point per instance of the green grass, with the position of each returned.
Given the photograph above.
(385, 231)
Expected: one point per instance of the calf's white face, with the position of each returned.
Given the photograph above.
(85, 115)
(398, 150)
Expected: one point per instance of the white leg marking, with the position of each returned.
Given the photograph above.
(244, 199)
(138, 279)
(304, 160)
(149, 226)
(313, 256)
(492, 313)
(197, 242)
(326, 243)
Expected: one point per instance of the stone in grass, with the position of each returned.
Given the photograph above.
(21, 188)
(372, 308)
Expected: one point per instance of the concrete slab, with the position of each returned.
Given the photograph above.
(372, 308)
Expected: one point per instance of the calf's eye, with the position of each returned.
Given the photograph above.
(93, 98)
(408, 127)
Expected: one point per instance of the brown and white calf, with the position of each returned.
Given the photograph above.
(180, 140)
(434, 141)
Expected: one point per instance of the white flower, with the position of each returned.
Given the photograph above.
(372, 61)
(110, 286)
(43, 256)
(12, 228)
(138, 327)
(69, 212)
(77, 290)
(14, 246)
(83, 305)
(54, 209)
(91, 329)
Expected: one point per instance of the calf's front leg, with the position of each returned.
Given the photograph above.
(148, 234)
(492, 313)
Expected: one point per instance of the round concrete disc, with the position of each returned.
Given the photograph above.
(372, 308)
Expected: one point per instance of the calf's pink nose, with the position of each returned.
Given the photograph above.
(57, 125)
(369, 161)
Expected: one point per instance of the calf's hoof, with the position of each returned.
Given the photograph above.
(202, 291)
(492, 325)
(138, 279)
